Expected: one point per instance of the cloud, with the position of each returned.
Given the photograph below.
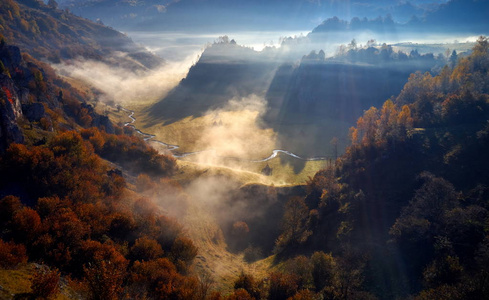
(160, 8)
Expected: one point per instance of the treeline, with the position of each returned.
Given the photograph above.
(334, 24)
(407, 205)
(375, 54)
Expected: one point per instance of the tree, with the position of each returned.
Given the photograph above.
(145, 249)
(453, 59)
(26, 225)
(53, 4)
(45, 283)
(183, 252)
(11, 254)
(104, 279)
(294, 223)
(160, 279)
(282, 286)
(248, 283)
(9, 205)
(323, 270)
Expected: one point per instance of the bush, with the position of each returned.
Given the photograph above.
(9, 205)
(11, 254)
(282, 286)
(252, 254)
(247, 283)
(45, 284)
(145, 249)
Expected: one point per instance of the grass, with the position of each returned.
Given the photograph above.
(16, 284)
(283, 173)
(238, 136)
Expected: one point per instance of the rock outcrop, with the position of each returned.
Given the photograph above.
(10, 112)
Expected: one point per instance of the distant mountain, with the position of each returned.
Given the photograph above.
(218, 15)
(53, 34)
(455, 16)
(318, 100)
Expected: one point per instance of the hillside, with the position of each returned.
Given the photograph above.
(306, 104)
(36, 102)
(54, 34)
(66, 199)
(406, 206)
(225, 70)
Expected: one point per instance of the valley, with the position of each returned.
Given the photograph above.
(344, 162)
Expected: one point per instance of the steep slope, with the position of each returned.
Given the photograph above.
(409, 197)
(224, 71)
(54, 34)
(318, 100)
(35, 102)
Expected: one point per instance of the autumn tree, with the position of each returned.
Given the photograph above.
(26, 225)
(145, 249)
(282, 286)
(294, 224)
(323, 270)
(183, 252)
(160, 278)
(11, 254)
(45, 283)
(248, 283)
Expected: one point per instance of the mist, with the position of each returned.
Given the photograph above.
(176, 46)
(126, 86)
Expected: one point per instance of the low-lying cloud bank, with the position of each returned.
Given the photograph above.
(125, 86)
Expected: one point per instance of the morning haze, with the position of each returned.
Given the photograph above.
(226, 149)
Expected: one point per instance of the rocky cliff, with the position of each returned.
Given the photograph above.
(34, 101)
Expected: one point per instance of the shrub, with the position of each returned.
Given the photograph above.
(282, 286)
(11, 254)
(45, 284)
(252, 254)
(145, 249)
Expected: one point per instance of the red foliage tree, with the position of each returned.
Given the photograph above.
(26, 225)
(11, 254)
(145, 249)
(45, 283)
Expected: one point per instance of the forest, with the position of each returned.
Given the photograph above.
(90, 210)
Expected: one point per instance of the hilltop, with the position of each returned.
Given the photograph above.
(52, 34)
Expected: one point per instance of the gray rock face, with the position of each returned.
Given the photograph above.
(103, 122)
(10, 111)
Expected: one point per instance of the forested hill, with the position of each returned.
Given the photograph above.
(405, 210)
(53, 34)
(66, 206)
